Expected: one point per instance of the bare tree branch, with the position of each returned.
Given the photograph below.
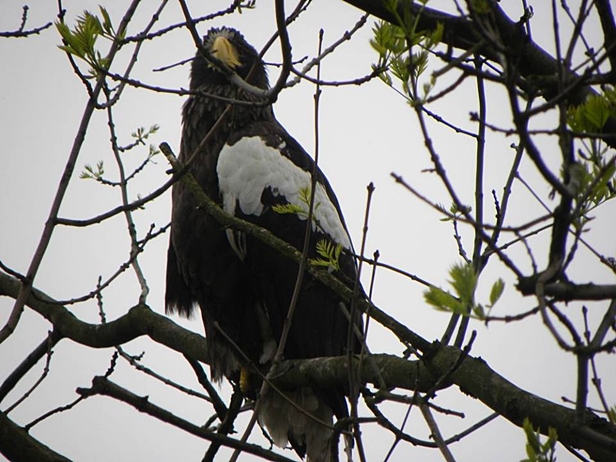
(19, 446)
(103, 386)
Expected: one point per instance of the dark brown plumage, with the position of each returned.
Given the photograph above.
(256, 171)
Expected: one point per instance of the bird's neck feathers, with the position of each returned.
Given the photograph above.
(214, 99)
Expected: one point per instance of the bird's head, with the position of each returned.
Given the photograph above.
(229, 47)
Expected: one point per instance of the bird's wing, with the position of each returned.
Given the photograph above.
(265, 177)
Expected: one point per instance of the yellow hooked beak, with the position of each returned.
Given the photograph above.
(224, 50)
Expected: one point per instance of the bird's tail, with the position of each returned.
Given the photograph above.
(302, 419)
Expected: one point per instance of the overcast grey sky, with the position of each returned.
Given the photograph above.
(365, 133)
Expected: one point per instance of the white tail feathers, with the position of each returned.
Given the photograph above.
(281, 417)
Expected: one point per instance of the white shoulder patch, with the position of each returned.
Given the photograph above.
(248, 167)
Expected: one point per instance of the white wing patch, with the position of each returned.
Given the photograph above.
(250, 166)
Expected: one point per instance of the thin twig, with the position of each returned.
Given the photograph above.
(436, 433)
(28, 363)
(52, 412)
(21, 33)
(135, 248)
(49, 344)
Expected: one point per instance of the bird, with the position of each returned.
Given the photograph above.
(255, 170)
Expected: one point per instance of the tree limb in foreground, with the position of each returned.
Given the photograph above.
(472, 375)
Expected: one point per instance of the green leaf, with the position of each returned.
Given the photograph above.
(330, 254)
(535, 450)
(107, 24)
(593, 114)
(532, 443)
(304, 196)
(391, 5)
(93, 173)
(611, 414)
(443, 300)
(479, 311)
(597, 112)
(600, 190)
(437, 35)
(497, 290)
(293, 209)
(81, 40)
(153, 151)
(464, 282)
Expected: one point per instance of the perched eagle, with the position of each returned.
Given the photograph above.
(255, 170)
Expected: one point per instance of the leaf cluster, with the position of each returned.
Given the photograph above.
(462, 301)
(594, 175)
(395, 45)
(592, 116)
(140, 135)
(302, 208)
(290, 209)
(330, 255)
(455, 211)
(595, 182)
(535, 449)
(81, 40)
(93, 173)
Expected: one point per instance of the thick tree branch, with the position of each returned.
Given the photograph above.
(140, 320)
(566, 291)
(474, 376)
(17, 445)
(606, 16)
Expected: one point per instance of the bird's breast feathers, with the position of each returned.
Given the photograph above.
(248, 167)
